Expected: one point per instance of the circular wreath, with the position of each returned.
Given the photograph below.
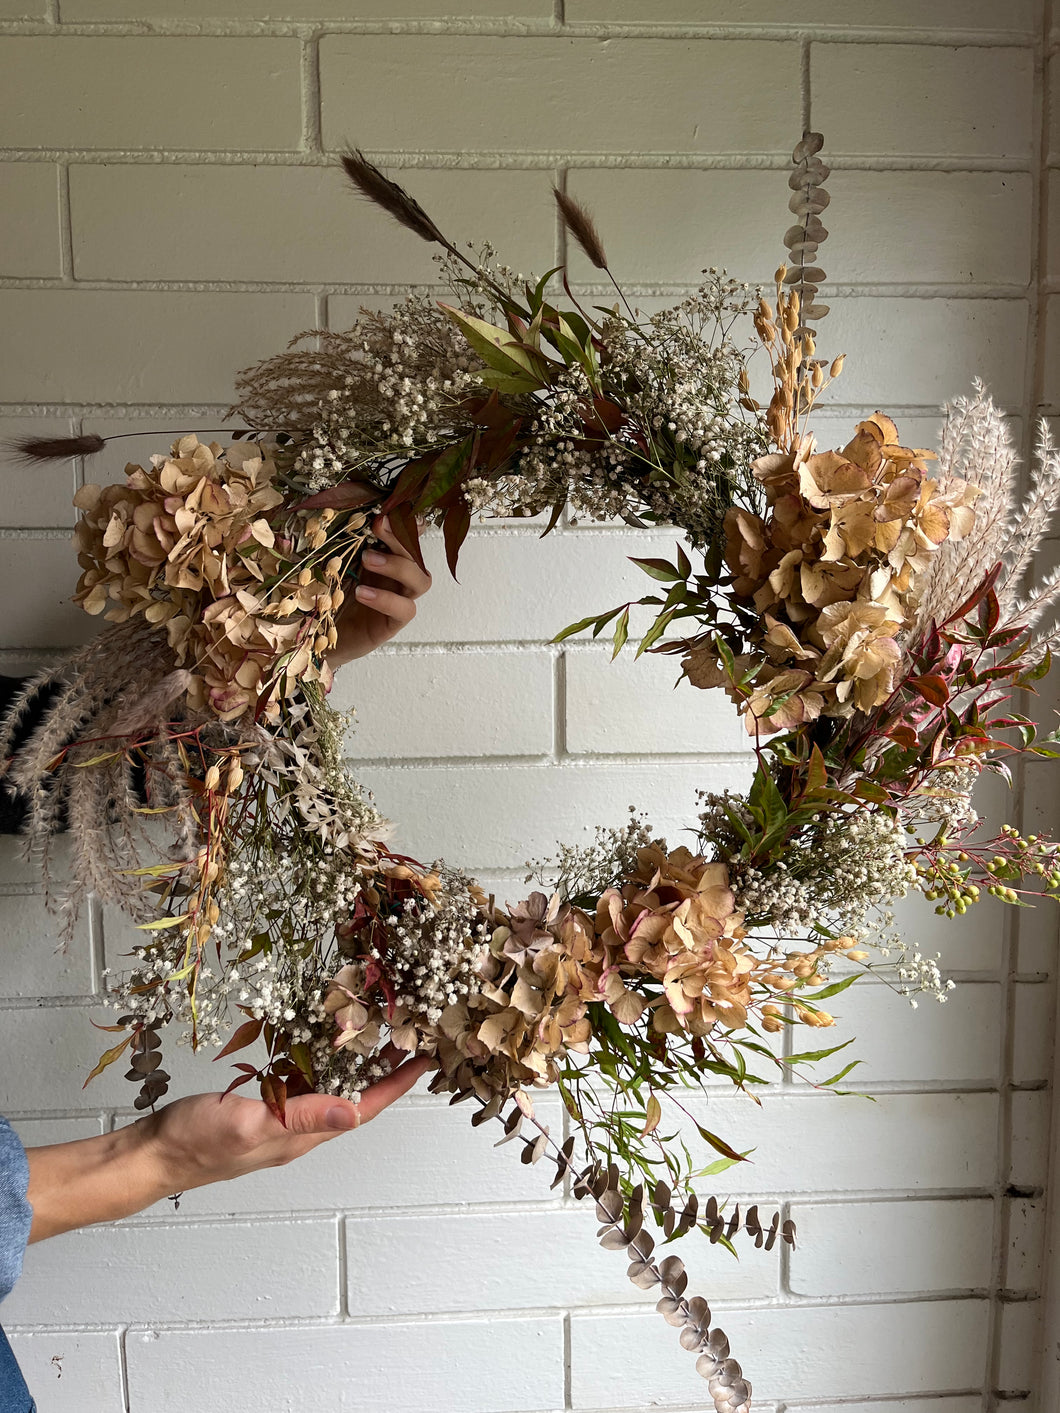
(860, 607)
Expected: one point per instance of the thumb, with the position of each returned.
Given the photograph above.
(320, 1113)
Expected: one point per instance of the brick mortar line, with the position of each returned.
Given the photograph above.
(513, 27)
(522, 159)
(604, 1309)
(923, 292)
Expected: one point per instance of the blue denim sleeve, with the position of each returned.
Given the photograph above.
(15, 1211)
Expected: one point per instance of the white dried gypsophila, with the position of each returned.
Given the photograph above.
(344, 1072)
(435, 947)
(401, 395)
(592, 868)
(944, 801)
(837, 876)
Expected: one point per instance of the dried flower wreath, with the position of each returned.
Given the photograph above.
(861, 608)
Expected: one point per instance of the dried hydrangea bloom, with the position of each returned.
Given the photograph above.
(834, 571)
(193, 544)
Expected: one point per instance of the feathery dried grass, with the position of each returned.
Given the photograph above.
(369, 181)
(975, 446)
(113, 679)
(582, 227)
(31, 450)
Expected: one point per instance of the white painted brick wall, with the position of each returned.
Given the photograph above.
(168, 215)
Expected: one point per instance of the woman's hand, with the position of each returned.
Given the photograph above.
(207, 1138)
(384, 600)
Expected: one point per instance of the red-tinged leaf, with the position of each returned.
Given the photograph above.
(274, 1093)
(298, 1084)
(869, 790)
(455, 526)
(720, 1146)
(448, 469)
(816, 771)
(107, 1058)
(406, 532)
(931, 687)
(497, 444)
(1041, 669)
(553, 519)
(243, 1036)
(608, 414)
(240, 1079)
(250, 1069)
(658, 568)
(989, 612)
(904, 736)
(347, 495)
(106, 1027)
(976, 597)
(488, 412)
(301, 1056)
(409, 484)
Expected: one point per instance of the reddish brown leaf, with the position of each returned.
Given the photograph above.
(243, 1036)
(932, 688)
(454, 528)
(274, 1093)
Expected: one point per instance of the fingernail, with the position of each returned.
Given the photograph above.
(362, 591)
(338, 1117)
(374, 557)
(386, 523)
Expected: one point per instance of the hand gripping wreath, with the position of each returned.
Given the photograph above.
(860, 607)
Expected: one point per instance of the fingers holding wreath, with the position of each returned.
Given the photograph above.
(384, 601)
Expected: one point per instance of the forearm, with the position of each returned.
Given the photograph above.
(94, 1180)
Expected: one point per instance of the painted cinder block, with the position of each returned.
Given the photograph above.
(1026, 1244)
(1020, 1340)
(891, 1248)
(617, 1361)
(285, 1269)
(522, 811)
(923, 352)
(733, 219)
(29, 220)
(556, 94)
(296, 224)
(957, 102)
(926, 15)
(148, 346)
(35, 961)
(953, 1042)
(419, 1153)
(640, 706)
(419, 704)
(38, 574)
(815, 1143)
(101, 91)
(961, 228)
(281, 10)
(478, 1366)
(499, 1255)
(38, 496)
(1029, 1138)
(515, 586)
(71, 1371)
(1033, 1007)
